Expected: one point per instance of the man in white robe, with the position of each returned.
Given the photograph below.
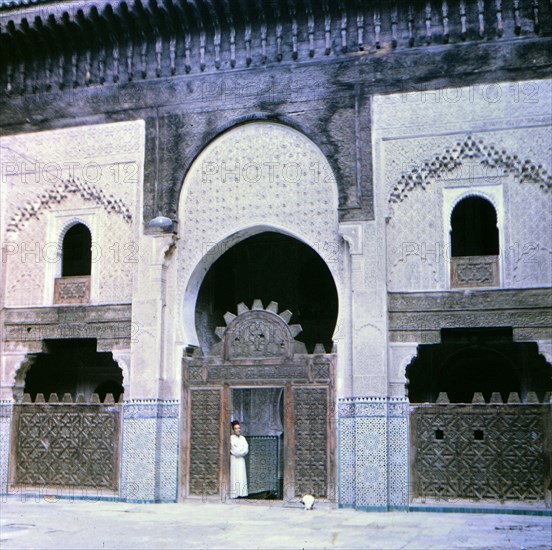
(238, 449)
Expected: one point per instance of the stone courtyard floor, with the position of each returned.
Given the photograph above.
(39, 523)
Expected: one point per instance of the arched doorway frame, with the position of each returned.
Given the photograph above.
(189, 300)
(185, 282)
(192, 261)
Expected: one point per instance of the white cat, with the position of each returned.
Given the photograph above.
(308, 501)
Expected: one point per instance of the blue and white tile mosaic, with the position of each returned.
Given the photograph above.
(371, 461)
(346, 461)
(6, 412)
(398, 466)
(149, 461)
(373, 452)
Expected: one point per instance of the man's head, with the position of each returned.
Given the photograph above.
(236, 427)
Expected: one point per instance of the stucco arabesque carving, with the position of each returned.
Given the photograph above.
(525, 171)
(59, 191)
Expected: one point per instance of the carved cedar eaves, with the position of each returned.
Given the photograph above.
(94, 45)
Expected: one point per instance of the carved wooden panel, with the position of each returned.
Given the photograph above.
(205, 442)
(72, 290)
(258, 333)
(258, 338)
(474, 271)
(479, 452)
(67, 445)
(311, 454)
(251, 373)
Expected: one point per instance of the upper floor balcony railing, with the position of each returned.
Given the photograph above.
(72, 290)
(474, 271)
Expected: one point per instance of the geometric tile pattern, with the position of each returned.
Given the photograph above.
(346, 462)
(397, 452)
(6, 411)
(67, 444)
(373, 452)
(149, 462)
(263, 463)
(397, 461)
(371, 461)
(167, 488)
(481, 452)
(138, 459)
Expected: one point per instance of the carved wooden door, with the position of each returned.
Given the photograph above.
(258, 349)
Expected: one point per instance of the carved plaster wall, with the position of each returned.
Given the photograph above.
(433, 147)
(256, 177)
(54, 179)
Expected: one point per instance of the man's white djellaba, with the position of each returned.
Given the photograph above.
(238, 475)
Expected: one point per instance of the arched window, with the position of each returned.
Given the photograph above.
(77, 251)
(474, 230)
(474, 244)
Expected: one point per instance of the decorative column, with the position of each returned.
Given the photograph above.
(368, 307)
(150, 412)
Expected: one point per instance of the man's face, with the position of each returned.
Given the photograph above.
(237, 429)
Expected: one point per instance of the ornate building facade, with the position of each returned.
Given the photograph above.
(328, 220)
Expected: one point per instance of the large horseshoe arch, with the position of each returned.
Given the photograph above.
(276, 212)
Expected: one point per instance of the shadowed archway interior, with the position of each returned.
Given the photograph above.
(472, 360)
(270, 266)
(73, 366)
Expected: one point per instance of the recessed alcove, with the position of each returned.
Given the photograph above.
(271, 267)
(73, 366)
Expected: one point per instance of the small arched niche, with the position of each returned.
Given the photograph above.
(474, 230)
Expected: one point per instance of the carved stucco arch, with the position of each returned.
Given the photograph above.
(56, 193)
(18, 377)
(318, 140)
(123, 362)
(75, 220)
(405, 362)
(188, 303)
(453, 157)
(545, 349)
(217, 212)
(476, 193)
